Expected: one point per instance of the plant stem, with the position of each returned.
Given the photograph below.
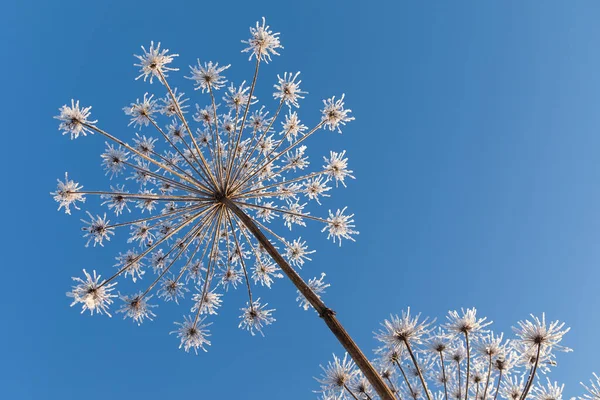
(468, 366)
(410, 389)
(498, 385)
(350, 391)
(324, 312)
(414, 360)
(532, 375)
(487, 382)
(444, 374)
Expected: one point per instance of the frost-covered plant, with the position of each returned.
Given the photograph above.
(206, 189)
(458, 360)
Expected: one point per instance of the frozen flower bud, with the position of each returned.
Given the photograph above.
(207, 305)
(153, 63)
(263, 42)
(465, 322)
(136, 307)
(229, 277)
(259, 120)
(334, 115)
(297, 252)
(176, 132)
(264, 272)
(208, 76)
(512, 388)
(97, 229)
(296, 159)
(399, 330)
(294, 217)
(237, 97)
(336, 167)
(144, 145)
(169, 104)
(288, 90)
(131, 263)
(316, 187)
(93, 295)
(205, 115)
(67, 193)
(172, 289)
(141, 232)
(292, 127)
(489, 345)
(141, 111)
(113, 159)
(73, 120)
(192, 334)
(116, 201)
(538, 333)
(340, 226)
(255, 317)
(338, 374)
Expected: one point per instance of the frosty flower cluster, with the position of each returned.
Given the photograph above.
(189, 176)
(458, 359)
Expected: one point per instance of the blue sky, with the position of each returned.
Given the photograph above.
(475, 149)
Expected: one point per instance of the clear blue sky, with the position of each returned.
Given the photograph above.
(476, 150)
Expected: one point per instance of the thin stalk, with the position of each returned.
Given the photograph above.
(241, 131)
(487, 382)
(260, 168)
(498, 385)
(350, 391)
(459, 380)
(324, 312)
(414, 360)
(166, 137)
(532, 375)
(393, 387)
(251, 166)
(145, 157)
(468, 366)
(187, 127)
(412, 392)
(444, 374)
(155, 245)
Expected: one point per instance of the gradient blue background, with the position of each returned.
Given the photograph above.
(476, 151)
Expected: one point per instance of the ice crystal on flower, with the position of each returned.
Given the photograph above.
(340, 226)
(97, 229)
(402, 329)
(263, 42)
(141, 111)
(136, 307)
(192, 334)
(334, 115)
(94, 295)
(154, 61)
(208, 76)
(255, 316)
(288, 90)
(465, 322)
(537, 333)
(131, 263)
(67, 194)
(74, 120)
(338, 374)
